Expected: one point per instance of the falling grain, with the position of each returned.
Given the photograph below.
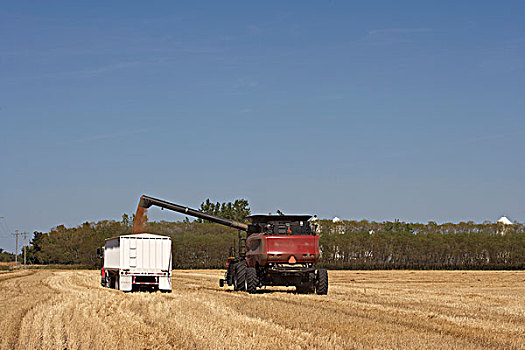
(141, 220)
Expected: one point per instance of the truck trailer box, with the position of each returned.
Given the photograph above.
(139, 260)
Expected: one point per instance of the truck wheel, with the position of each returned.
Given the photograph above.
(322, 282)
(252, 281)
(239, 279)
(117, 286)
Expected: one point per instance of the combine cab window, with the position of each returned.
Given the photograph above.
(280, 224)
(292, 228)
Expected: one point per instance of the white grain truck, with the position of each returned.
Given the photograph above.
(137, 262)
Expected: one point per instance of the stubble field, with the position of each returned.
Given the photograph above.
(43, 309)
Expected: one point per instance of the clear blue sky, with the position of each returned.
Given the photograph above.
(379, 110)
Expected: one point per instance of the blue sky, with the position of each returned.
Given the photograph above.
(380, 110)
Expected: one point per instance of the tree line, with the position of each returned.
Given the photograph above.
(389, 245)
(399, 245)
(345, 245)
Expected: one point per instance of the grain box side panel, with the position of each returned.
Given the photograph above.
(125, 252)
(166, 256)
(112, 253)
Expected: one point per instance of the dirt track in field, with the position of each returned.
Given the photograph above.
(363, 309)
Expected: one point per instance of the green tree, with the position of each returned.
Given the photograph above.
(238, 210)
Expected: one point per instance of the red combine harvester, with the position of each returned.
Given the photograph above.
(279, 250)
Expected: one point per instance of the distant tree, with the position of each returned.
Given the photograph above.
(127, 220)
(35, 247)
(241, 209)
(6, 256)
(238, 210)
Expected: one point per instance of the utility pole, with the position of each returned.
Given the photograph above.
(25, 244)
(16, 249)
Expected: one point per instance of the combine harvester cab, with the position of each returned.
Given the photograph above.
(137, 262)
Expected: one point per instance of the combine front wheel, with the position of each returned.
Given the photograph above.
(322, 282)
(251, 280)
(239, 278)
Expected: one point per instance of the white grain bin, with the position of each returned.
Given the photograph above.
(137, 261)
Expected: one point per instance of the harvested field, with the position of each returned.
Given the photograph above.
(363, 310)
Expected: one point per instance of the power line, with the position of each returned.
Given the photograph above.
(3, 225)
(7, 225)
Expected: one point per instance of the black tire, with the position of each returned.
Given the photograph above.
(322, 282)
(229, 275)
(239, 278)
(252, 281)
(305, 289)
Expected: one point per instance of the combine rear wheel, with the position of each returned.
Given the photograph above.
(322, 282)
(251, 280)
(239, 278)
